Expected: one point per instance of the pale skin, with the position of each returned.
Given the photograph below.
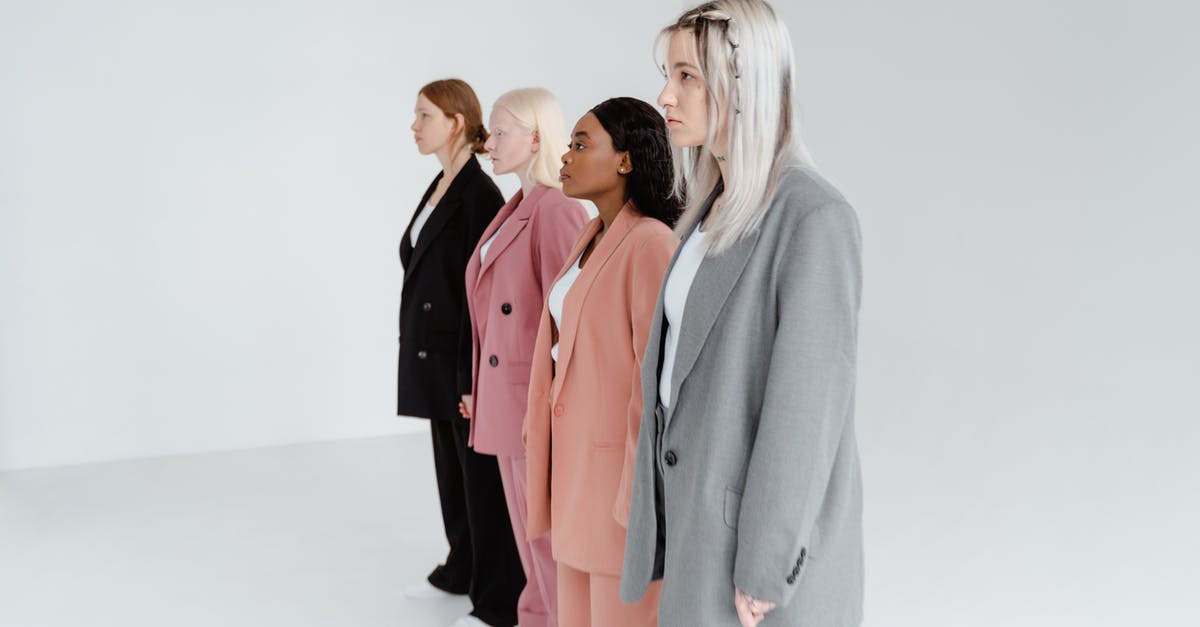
(685, 100)
(443, 135)
(512, 148)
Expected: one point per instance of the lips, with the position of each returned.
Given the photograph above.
(563, 176)
(673, 122)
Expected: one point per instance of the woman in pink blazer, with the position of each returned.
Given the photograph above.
(585, 398)
(507, 279)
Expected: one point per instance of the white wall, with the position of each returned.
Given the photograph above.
(201, 202)
(1025, 175)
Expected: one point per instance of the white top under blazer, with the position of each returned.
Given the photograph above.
(420, 222)
(558, 294)
(679, 284)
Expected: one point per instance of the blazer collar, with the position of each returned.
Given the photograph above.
(442, 213)
(517, 212)
(573, 303)
(710, 289)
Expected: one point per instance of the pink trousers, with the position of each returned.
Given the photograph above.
(538, 604)
(593, 600)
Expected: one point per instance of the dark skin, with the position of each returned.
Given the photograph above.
(593, 170)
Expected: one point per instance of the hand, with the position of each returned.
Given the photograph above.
(464, 406)
(749, 609)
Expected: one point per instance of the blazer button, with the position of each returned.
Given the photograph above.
(671, 458)
(422, 354)
(558, 410)
(506, 309)
(791, 580)
(494, 361)
(803, 556)
(427, 306)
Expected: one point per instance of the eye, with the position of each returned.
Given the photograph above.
(578, 146)
(686, 76)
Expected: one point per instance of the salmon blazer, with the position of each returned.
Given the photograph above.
(505, 296)
(585, 411)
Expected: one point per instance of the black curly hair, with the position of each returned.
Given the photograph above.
(637, 128)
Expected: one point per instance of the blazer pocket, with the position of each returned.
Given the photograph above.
(733, 507)
(518, 373)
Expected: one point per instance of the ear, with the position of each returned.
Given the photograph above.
(626, 165)
(460, 123)
(537, 141)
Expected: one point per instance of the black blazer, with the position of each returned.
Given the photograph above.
(435, 327)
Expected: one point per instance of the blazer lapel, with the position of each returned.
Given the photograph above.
(406, 247)
(517, 219)
(445, 208)
(573, 304)
(710, 289)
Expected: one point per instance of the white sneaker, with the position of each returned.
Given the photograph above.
(469, 621)
(426, 590)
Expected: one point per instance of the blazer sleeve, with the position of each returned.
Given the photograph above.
(807, 400)
(481, 207)
(556, 228)
(647, 269)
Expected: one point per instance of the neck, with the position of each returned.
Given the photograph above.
(452, 160)
(527, 182)
(723, 166)
(609, 205)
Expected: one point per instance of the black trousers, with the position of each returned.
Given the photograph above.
(483, 561)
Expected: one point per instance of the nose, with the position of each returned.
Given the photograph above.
(666, 97)
(490, 144)
(566, 157)
(413, 127)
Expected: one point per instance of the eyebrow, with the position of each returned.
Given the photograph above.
(581, 133)
(684, 64)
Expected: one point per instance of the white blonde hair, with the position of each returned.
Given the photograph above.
(536, 111)
(746, 61)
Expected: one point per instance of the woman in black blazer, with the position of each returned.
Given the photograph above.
(435, 355)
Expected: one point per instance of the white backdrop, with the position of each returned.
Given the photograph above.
(201, 204)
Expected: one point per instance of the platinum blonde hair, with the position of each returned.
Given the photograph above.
(746, 58)
(536, 111)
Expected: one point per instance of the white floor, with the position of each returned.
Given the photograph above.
(329, 534)
(323, 534)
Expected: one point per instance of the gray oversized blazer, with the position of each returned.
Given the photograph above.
(752, 477)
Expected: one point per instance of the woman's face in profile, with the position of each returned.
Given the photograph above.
(432, 129)
(590, 165)
(684, 98)
(510, 146)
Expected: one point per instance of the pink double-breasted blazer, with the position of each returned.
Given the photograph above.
(505, 297)
(584, 412)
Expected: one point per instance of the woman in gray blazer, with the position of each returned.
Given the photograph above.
(747, 497)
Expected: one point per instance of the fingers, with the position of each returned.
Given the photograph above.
(742, 604)
(750, 610)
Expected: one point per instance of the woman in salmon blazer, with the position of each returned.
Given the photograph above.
(507, 279)
(585, 401)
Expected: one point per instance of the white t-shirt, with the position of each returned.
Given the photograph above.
(679, 284)
(488, 244)
(420, 222)
(558, 294)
